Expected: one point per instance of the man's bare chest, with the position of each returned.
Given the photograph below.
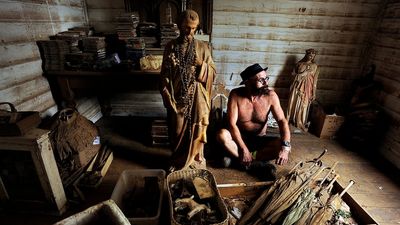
(253, 110)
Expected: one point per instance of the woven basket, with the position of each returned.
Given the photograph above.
(189, 175)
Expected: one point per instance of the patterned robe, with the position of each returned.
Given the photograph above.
(187, 133)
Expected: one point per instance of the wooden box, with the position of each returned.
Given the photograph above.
(29, 177)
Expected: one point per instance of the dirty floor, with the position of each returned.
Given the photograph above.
(377, 193)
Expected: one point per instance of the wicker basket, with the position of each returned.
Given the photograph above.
(189, 175)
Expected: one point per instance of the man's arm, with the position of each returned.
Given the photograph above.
(233, 115)
(283, 129)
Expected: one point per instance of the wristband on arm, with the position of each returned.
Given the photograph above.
(286, 146)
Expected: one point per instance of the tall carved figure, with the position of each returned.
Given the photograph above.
(302, 90)
(187, 74)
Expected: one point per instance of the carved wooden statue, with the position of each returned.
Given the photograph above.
(302, 90)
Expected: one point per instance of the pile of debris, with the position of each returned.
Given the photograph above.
(194, 198)
(303, 196)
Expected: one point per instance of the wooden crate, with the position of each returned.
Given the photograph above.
(29, 177)
(358, 213)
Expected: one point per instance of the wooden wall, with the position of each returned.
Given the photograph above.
(22, 23)
(348, 35)
(102, 14)
(277, 33)
(385, 54)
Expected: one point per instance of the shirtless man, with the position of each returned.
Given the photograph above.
(248, 109)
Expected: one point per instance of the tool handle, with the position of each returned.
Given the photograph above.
(351, 182)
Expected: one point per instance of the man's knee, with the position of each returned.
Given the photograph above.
(223, 135)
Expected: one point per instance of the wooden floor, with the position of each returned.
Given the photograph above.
(374, 191)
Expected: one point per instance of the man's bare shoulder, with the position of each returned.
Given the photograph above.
(272, 97)
(272, 93)
(239, 92)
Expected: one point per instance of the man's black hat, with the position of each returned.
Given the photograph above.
(251, 71)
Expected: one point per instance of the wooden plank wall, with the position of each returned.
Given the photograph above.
(102, 14)
(349, 36)
(22, 23)
(385, 54)
(277, 33)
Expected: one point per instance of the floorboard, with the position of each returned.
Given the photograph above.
(375, 191)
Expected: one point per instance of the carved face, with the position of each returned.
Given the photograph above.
(310, 56)
(188, 28)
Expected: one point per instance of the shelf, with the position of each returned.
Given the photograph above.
(82, 73)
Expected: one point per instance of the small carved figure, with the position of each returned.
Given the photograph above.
(193, 206)
(303, 90)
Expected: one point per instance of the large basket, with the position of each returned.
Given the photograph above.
(189, 175)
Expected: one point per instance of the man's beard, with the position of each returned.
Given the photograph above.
(187, 38)
(184, 41)
(259, 91)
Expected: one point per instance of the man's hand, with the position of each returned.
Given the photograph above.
(283, 157)
(247, 158)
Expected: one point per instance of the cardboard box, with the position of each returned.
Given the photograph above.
(323, 123)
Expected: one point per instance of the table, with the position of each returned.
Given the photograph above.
(66, 86)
